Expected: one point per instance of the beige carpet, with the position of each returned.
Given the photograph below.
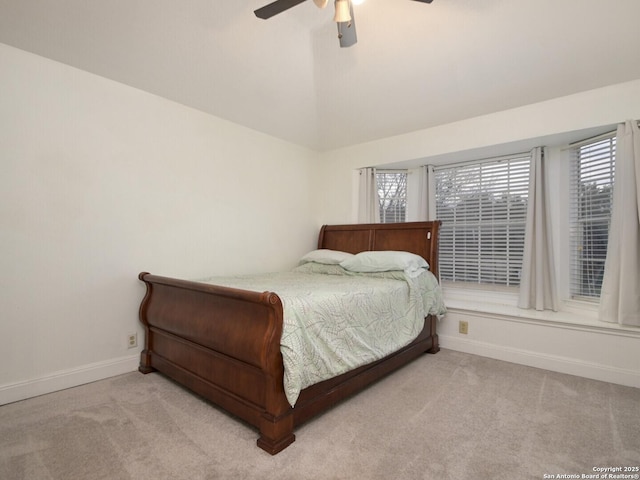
(445, 416)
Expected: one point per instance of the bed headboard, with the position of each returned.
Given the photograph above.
(420, 238)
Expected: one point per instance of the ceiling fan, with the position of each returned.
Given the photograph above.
(343, 16)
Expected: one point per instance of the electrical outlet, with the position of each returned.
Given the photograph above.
(132, 340)
(463, 327)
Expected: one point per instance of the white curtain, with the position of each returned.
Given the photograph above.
(368, 202)
(427, 193)
(620, 294)
(538, 282)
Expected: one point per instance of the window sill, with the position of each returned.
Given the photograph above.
(503, 305)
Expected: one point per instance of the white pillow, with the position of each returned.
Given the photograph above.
(386, 261)
(325, 256)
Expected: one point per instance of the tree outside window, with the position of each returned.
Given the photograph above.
(392, 195)
(483, 208)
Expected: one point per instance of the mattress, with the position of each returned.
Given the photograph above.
(337, 320)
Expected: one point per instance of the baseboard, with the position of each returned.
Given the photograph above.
(68, 378)
(98, 371)
(605, 373)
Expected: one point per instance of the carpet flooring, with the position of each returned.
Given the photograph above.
(445, 416)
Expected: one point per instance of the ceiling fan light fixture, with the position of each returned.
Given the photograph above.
(321, 3)
(342, 11)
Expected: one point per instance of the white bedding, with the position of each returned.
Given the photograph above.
(335, 320)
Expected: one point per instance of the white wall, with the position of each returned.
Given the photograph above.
(571, 341)
(99, 181)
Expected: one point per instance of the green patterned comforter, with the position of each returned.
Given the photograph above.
(335, 321)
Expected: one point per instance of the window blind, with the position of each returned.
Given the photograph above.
(483, 208)
(392, 194)
(591, 196)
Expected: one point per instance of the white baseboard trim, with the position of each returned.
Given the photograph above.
(605, 373)
(98, 371)
(68, 378)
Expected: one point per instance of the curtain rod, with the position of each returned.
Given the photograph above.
(586, 141)
(595, 138)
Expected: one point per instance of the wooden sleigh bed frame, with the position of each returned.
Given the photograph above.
(224, 343)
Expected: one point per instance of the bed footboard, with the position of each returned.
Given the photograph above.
(223, 344)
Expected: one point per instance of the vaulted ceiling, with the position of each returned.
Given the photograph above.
(415, 65)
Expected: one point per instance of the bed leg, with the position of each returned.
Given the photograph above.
(276, 433)
(435, 348)
(435, 345)
(145, 363)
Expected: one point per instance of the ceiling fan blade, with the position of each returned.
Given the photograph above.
(347, 30)
(275, 8)
(424, 1)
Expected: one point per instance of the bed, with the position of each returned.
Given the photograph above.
(224, 343)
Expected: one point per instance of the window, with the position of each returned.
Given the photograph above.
(483, 208)
(592, 175)
(392, 194)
